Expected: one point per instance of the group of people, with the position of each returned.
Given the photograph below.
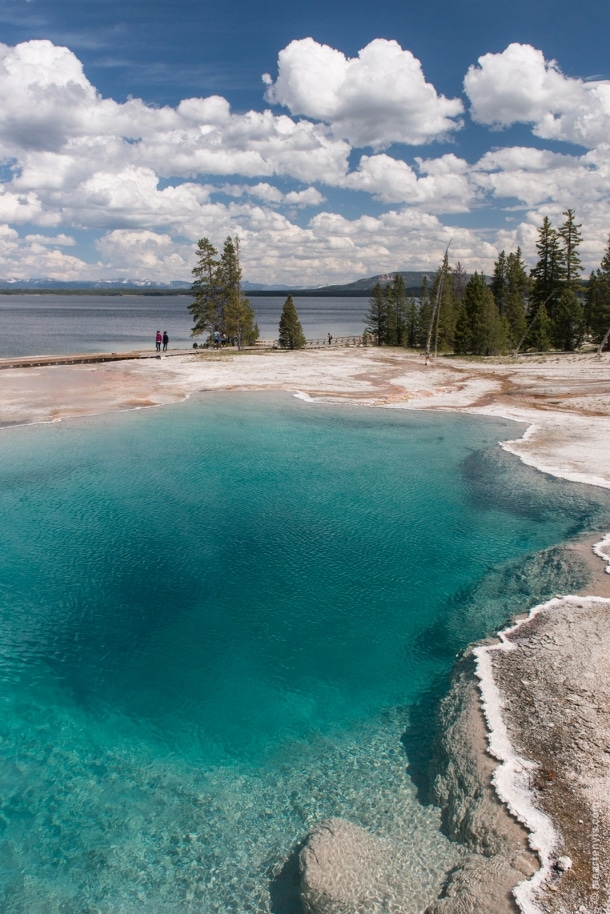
(161, 339)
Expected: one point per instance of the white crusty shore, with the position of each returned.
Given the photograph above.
(564, 400)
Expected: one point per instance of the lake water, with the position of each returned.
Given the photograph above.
(57, 324)
(225, 620)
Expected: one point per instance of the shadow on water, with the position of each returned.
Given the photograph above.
(284, 887)
(419, 738)
(530, 494)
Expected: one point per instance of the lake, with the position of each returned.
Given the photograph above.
(66, 324)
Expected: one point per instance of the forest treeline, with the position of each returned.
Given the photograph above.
(547, 307)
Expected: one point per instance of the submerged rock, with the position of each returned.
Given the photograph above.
(481, 885)
(347, 870)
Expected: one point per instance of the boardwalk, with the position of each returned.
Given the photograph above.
(36, 361)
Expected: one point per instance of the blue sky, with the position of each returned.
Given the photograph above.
(338, 141)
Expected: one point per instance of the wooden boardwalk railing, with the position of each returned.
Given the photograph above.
(338, 342)
(37, 361)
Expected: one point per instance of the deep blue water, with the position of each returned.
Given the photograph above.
(217, 623)
(58, 324)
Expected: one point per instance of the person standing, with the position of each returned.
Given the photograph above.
(165, 340)
(330, 340)
(158, 340)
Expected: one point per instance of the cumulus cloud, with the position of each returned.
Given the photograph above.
(441, 185)
(539, 176)
(520, 86)
(145, 253)
(152, 180)
(56, 126)
(33, 256)
(273, 196)
(376, 99)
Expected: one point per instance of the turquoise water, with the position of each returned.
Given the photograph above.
(219, 622)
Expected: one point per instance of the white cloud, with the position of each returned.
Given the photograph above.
(145, 253)
(376, 99)
(61, 241)
(273, 196)
(536, 177)
(154, 180)
(520, 86)
(58, 129)
(442, 185)
(39, 256)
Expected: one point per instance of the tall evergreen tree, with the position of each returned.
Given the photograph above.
(424, 315)
(516, 274)
(412, 322)
(376, 318)
(517, 296)
(499, 282)
(571, 236)
(205, 289)
(539, 332)
(460, 279)
(239, 321)
(514, 315)
(568, 322)
(550, 270)
(229, 277)
(291, 334)
(396, 300)
(480, 328)
(598, 299)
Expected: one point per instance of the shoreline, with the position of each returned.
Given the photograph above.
(564, 402)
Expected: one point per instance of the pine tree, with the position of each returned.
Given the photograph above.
(239, 321)
(480, 328)
(499, 282)
(291, 334)
(571, 236)
(539, 334)
(514, 314)
(396, 301)
(376, 318)
(412, 322)
(517, 296)
(598, 299)
(568, 323)
(516, 275)
(460, 279)
(550, 270)
(205, 289)
(229, 277)
(424, 315)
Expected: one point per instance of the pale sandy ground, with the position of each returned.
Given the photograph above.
(553, 687)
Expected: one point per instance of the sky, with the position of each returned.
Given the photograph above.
(338, 139)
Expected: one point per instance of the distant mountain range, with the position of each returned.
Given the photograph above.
(412, 279)
(99, 285)
(361, 287)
